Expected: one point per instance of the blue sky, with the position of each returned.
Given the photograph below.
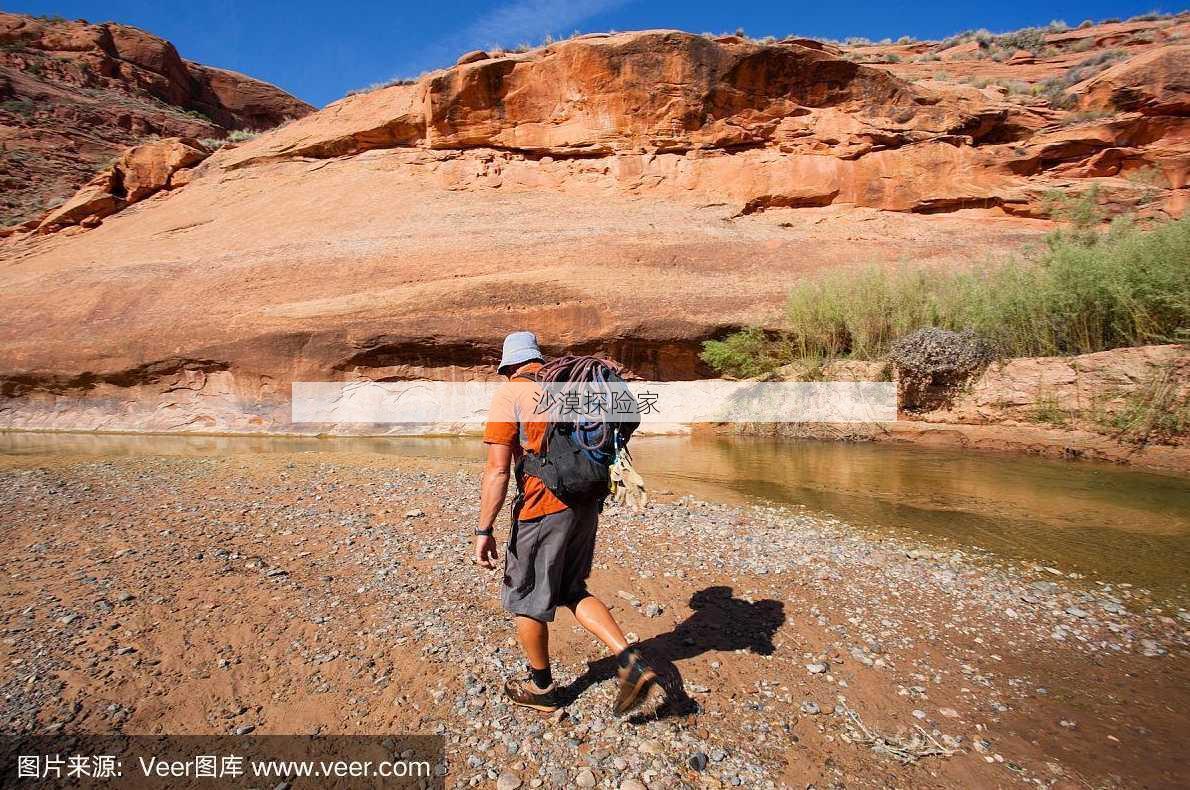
(318, 50)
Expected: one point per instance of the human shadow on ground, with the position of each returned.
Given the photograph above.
(719, 622)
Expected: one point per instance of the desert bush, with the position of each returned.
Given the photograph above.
(749, 352)
(1104, 59)
(1029, 38)
(1085, 116)
(1153, 412)
(1151, 16)
(17, 106)
(932, 363)
(375, 86)
(234, 136)
(1049, 411)
(1055, 93)
(1078, 294)
(1148, 176)
(1056, 90)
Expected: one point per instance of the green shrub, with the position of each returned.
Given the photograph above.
(1049, 412)
(747, 353)
(1084, 291)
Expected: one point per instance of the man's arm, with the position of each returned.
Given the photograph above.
(493, 489)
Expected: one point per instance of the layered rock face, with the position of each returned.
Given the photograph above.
(631, 194)
(791, 125)
(74, 95)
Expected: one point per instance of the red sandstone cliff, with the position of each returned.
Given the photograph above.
(74, 95)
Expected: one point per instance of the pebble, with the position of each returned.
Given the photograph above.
(508, 781)
(698, 761)
(1074, 611)
(817, 668)
(949, 713)
(649, 747)
(652, 610)
(633, 784)
(810, 708)
(585, 778)
(1151, 648)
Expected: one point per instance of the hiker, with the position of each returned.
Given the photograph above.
(552, 543)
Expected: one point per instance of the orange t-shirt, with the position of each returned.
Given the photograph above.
(514, 398)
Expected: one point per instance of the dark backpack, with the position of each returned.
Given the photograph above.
(577, 452)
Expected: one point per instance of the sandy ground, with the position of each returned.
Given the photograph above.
(307, 594)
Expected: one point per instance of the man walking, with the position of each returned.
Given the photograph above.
(551, 547)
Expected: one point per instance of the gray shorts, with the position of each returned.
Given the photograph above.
(548, 561)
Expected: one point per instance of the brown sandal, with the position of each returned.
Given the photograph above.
(524, 693)
(636, 681)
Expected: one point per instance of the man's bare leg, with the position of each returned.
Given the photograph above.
(594, 616)
(534, 637)
(636, 677)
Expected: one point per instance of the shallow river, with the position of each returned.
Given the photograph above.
(1107, 522)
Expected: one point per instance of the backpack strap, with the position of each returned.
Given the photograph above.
(518, 470)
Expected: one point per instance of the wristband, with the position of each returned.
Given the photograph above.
(484, 533)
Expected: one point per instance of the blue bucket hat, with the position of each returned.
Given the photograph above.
(519, 348)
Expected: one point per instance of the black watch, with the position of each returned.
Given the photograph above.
(484, 533)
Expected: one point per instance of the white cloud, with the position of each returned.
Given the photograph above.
(530, 20)
(511, 23)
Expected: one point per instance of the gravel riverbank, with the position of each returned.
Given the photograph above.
(296, 593)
